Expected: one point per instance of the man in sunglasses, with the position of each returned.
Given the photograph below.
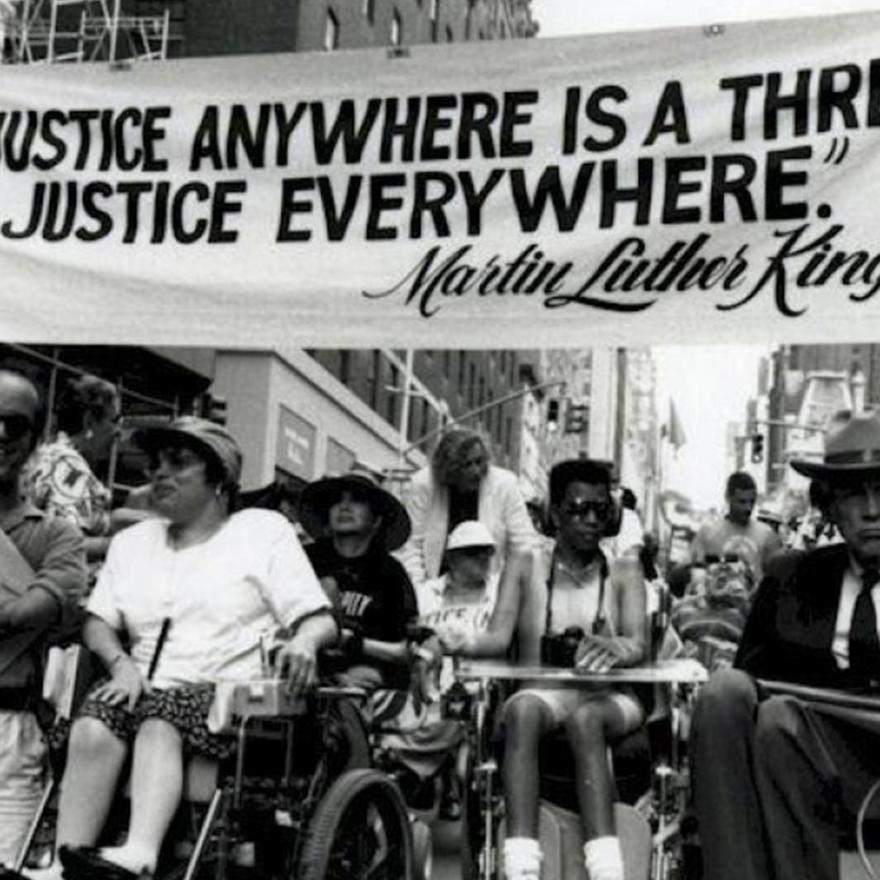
(42, 570)
(357, 525)
(604, 600)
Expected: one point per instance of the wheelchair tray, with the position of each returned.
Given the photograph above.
(675, 671)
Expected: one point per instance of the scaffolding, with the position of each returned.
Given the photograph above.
(64, 31)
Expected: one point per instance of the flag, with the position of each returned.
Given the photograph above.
(674, 430)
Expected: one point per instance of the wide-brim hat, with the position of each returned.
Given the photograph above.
(852, 452)
(317, 498)
(209, 437)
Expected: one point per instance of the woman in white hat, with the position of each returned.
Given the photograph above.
(460, 605)
(471, 615)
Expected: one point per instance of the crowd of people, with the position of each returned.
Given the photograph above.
(178, 593)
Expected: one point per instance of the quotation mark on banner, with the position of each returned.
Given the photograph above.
(833, 159)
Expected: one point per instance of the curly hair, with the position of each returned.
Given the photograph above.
(86, 394)
(452, 451)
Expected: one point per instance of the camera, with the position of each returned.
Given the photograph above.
(559, 649)
(455, 703)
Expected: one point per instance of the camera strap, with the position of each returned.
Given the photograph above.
(599, 619)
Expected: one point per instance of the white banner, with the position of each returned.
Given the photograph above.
(665, 186)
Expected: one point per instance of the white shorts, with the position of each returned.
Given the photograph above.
(563, 701)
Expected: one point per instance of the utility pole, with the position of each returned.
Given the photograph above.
(404, 415)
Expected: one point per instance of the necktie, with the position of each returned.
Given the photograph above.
(864, 645)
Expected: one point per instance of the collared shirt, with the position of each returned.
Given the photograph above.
(849, 592)
(54, 549)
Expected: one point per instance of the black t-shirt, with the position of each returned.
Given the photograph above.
(376, 596)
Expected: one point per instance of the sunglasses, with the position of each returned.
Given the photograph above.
(16, 426)
(713, 559)
(601, 509)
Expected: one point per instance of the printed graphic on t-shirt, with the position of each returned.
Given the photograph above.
(355, 605)
(474, 616)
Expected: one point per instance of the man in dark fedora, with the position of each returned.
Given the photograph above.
(776, 778)
(357, 525)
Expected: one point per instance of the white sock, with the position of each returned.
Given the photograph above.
(522, 858)
(604, 858)
(129, 856)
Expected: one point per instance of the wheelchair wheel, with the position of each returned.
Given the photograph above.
(360, 830)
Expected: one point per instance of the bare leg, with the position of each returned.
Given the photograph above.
(94, 763)
(156, 788)
(526, 720)
(589, 729)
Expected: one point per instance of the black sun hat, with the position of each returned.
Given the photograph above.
(852, 452)
(317, 498)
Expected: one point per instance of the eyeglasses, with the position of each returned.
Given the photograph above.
(15, 426)
(584, 508)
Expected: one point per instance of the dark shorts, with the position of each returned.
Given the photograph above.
(184, 708)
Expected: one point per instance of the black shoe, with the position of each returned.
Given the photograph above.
(450, 807)
(86, 863)
(9, 874)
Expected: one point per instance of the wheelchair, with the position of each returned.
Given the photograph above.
(650, 774)
(298, 798)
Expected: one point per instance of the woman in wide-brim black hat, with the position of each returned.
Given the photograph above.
(317, 498)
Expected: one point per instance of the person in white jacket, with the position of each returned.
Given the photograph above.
(461, 485)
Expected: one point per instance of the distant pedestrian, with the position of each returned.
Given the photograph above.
(737, 534)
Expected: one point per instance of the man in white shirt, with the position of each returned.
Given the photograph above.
(776, 779)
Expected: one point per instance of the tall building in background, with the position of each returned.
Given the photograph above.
(92, 30)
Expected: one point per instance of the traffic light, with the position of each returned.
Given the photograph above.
(552, 414)
(576, 418)
(214, 409)
(757, 448)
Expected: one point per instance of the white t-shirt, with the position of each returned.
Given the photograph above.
(446, 612)
(222, 595)
(441, 609)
